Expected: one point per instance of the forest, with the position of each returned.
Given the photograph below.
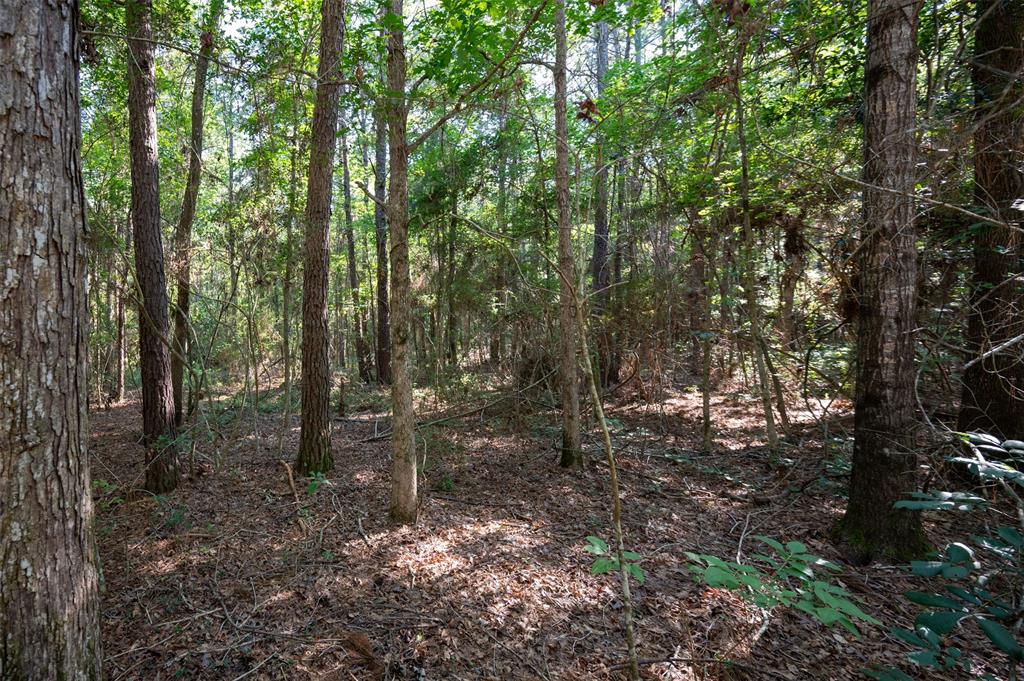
(511, 339)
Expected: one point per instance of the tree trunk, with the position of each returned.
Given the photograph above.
(884, 462)
(572, 452)
(380, 222)
(600, 275)
(121, 336)
(993, 388)
(315, 434)
(362, 349)
(404, 503)
(183, 232)
(794, 248)
(154, 355)
(49, 600)
(759, 348)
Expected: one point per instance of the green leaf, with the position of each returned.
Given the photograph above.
(637, 572)
(926, 568)
(597, 546)
(603, 565)
(718, 577)
(931, 600)
(1002, 638)
(941, 621)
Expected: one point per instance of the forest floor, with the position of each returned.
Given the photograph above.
(240, 575)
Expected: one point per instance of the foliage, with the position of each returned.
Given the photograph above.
(791, 578)
(608, 560)
(972, 582)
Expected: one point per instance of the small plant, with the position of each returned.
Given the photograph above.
(966, 574)
(608, 561)
(173, 517)
(789, 579)
(105, 490)
(315, 481)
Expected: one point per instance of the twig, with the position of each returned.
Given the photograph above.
(266, 660)
(295, 493)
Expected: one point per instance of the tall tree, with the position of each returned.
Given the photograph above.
(154, 352)
(601, 273)
(884, 460)
(572, 452)
(315, 435)
(404, 503)
(362, 349)
(380, 223)
(183, 232)
(993, 389)
(49, 599)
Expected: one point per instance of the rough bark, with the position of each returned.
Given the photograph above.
(315, 434)
(154, 354)
(404, 503)
(884, 460)
(380, 222)
(572, 453)
(993, 388)
(49, 621)
(183, 232)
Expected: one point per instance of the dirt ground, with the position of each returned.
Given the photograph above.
(240, 575)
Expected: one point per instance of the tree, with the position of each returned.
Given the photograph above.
(154, 354)
(404, 502)
(994, 387)
(572, 452)
(49, 599)
(362, 349)
(315, 435)
(380, 222)
(884, 460)
(183, 232)
(600, 275)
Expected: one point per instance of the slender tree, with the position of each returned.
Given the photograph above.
(49, 599)
(380, 223)
(404, 502)
(572, 452)
(884, 460)
(993, 389)
(183, 232)
(154, 352)
(601, 272)
(315, 435)
(362, 349)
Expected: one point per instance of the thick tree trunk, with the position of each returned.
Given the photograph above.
(572, 452)
(315, 434)
(993, 389)
(49, 619)
(884, 462)
(154, 355)
(183, 232)
(404, 502)
(380, 222)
